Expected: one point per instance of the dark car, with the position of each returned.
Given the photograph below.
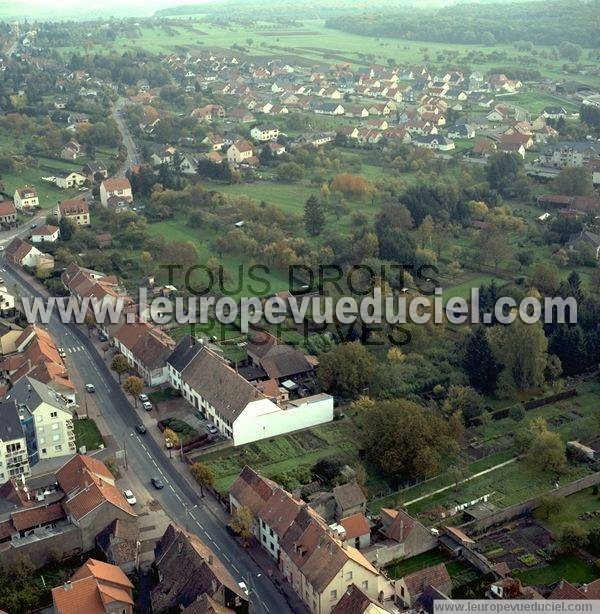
(140, 428)
(157, 483)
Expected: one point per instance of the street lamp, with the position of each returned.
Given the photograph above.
(188, 512)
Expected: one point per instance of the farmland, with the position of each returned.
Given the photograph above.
(309, 42)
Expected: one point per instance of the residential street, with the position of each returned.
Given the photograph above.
(132, 153)
(147, 459)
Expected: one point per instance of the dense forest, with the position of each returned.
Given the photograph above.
(565, 20)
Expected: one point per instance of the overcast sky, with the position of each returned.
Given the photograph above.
(79, 9)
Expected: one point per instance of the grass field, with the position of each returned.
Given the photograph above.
(575, 505)
(564, 567)
(536, 101)
(309, 42)
(87, 434)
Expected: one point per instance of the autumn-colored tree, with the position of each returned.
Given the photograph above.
(134, 386)
(352, 186)
(119, 365)
(203, 475)
(90, 322)
(241, 522)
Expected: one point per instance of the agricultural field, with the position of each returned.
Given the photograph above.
(536, 101)
(286, 455)
(310, 42)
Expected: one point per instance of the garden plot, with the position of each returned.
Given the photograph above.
(521, 545)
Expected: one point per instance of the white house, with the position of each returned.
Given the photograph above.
(26, 198)
(69, 179)
(240, 410)
(239, 151)
(45, 234)
(115, 188)
(264, 132)
(47, 420)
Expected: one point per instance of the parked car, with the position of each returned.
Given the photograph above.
(147, 405)
(102, 336)
(129, 497)
(168, 444)
(212, 429)
(157, 483)
(143, 397)
(244, 587)
(61, 352)
(140, 428)
(90, 388)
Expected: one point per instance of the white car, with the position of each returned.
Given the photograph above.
(129, 497)
(168, 444)
(212, 429)
(147, 405)
(143, 397)
(62, 353)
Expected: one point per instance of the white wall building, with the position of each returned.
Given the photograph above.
(236, 407)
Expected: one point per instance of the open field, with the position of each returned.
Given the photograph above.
(575, 506)
(239, 284)
(565, 567)
(573, 419)
(536, 101)
(310, 42)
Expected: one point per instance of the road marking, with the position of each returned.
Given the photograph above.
(236, 569)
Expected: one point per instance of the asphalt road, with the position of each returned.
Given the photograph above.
(132, 152)
(147, 459)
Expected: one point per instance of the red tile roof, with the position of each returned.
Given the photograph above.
(356, 526)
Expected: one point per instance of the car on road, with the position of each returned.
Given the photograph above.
(1, 248)
(34, 225)
(129, 497)
(244, 587)
(212, 429)
(157, 483)
(143, 397)
(90, 388)
(140, 428)
(147, 405)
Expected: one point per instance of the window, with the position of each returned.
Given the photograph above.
(55, 426)
(58, 447)
(271, 532)
(348, 576)
(401, 591)
(333, 595)
(53, 414)
(365, 585)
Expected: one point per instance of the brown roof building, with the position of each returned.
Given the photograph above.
(188, 569)
(95, 588)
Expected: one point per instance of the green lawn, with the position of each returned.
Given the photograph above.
(575, 505)
(536, 101)
(87, 434)
(403, 567)
(564, 567)
(177, 230)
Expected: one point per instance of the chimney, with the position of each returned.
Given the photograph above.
(584, 588)
(211, 559)
(67, 585)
